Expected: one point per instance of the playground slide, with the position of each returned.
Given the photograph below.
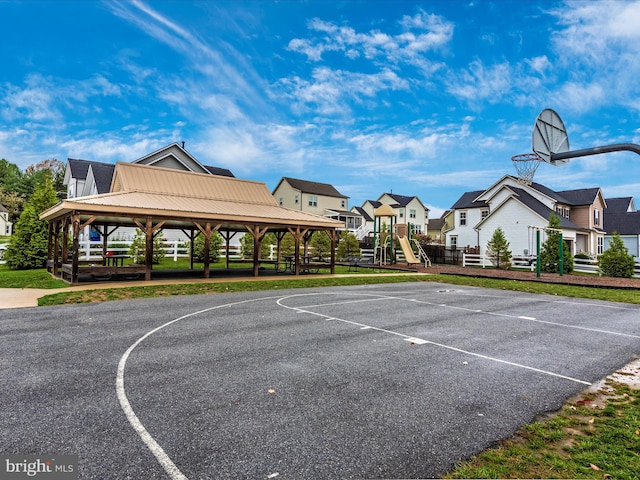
(406, 249)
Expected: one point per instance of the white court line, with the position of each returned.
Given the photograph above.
(172, 470)
(420, 340)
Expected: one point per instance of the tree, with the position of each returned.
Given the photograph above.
(321, 244)
(348, 246)
(215, 243)
(28, 246)
(246, 246)
(550, 254)
(616, 260)
(498, 248)
(137, 250)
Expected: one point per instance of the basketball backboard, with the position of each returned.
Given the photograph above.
(550, 136)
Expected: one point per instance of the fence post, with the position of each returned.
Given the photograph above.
(464, 259)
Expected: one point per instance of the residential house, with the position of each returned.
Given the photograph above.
(622, 217)
(317, 198)
(434, 229)
(408, 211)
(6, 227)
(521, 209)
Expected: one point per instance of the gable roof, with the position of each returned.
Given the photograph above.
(540, 208)
(364, 213)
(620, 205)
(581, 196)
(402, 200)
(315, 188)
(2, 208)
(79, 168)
(182, 197)
(102, 175)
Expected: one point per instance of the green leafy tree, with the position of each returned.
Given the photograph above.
(348, 246)
(13, 202)
(28, 246)
(321, 244)
(137, 250)
(246, 246)
(616, 260)
(215, 244)
(550, 253)
(498, 249)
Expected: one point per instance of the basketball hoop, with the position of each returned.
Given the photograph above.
(526, 166)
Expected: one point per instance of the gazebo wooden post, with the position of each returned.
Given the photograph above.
(258, 235)
(207, 231)
(298, 233)
(75, 249)
(279, 237)
(149, 231)
(192, 239)
(65, 239)
(333, 235)
(227, 235)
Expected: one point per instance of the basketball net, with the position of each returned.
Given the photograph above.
(526, 166)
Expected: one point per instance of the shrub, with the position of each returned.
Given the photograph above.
(616, 260)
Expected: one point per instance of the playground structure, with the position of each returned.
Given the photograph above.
(389, 237)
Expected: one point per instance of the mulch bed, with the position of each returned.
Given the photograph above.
(580, 280)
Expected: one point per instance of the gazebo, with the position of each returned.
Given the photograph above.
(152, 198)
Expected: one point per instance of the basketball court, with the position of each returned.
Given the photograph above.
(381, 381)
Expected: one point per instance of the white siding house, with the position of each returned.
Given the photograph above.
(519, 209)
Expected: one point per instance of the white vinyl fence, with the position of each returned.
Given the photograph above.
(581, 265)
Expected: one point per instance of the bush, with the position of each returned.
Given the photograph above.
(616, 260)
(215, 243)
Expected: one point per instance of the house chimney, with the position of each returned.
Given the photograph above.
(183, 145)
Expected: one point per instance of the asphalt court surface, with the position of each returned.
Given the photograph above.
(380, 381)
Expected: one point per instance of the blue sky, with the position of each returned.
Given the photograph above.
(427, 98)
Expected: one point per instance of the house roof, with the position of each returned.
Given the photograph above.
(468, 200)
(364, 213)
(103, 175)
(625, 223)
(620, 205)
(436, 224)
(182, 197)
(315, 188)
(79, 168)
(581, 196)
(540, 208)
(225, 172)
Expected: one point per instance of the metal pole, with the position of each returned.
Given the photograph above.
(538, 253)
(632, 147)
(561, 260)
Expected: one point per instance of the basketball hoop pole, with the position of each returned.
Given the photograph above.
(560, 251)
(618, 147)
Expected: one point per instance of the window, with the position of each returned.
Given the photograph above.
(485, 214)
(412, 213)
(596, 217)
(343, 204)
(454, 242)
(280, 200)
(600, 245)
(297, 199)
(313, 201)
(463, 218)
(402, 213)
